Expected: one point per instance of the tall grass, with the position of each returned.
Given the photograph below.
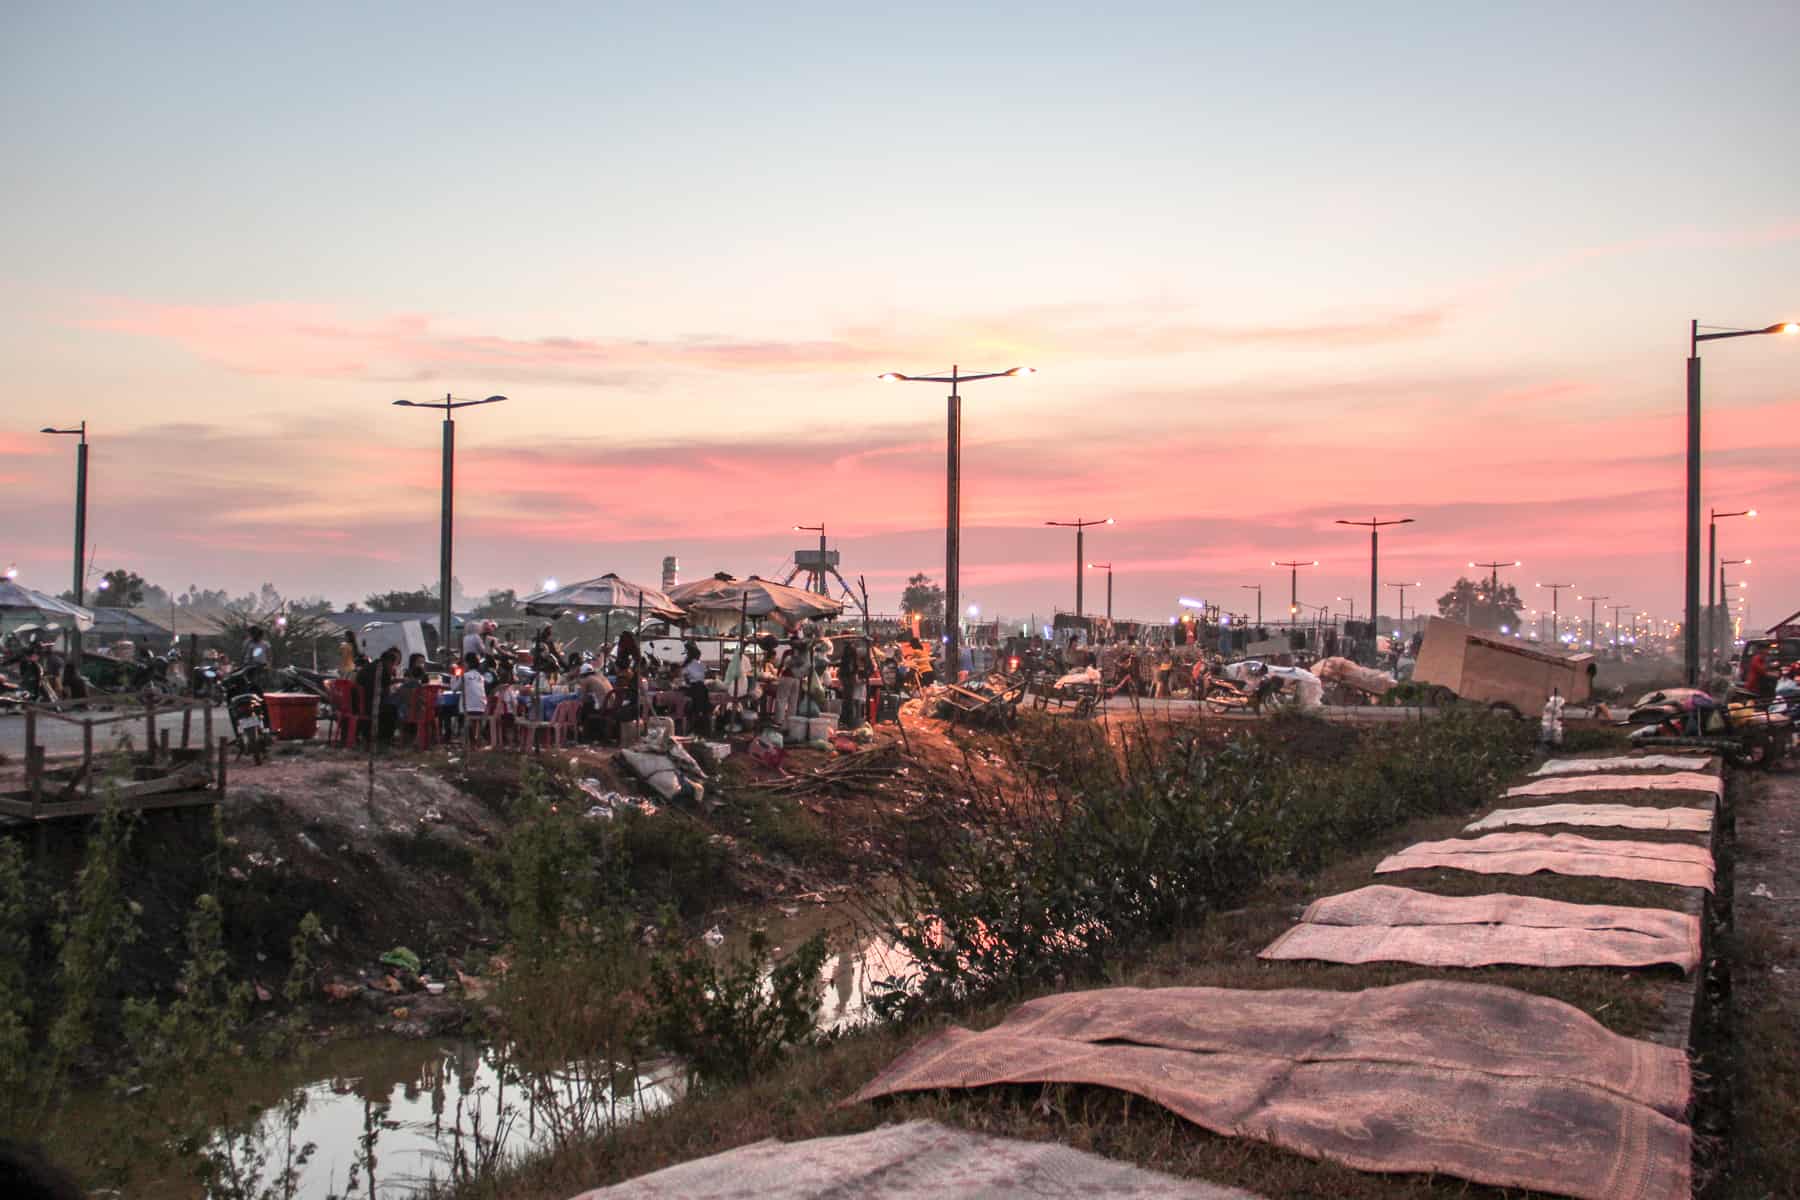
(1112, 848)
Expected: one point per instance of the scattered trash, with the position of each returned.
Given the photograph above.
(403, 958)
(401, 1013)
(436, 989)
(713, 937)
(338, 992)
(433, 814)
(1761, 891)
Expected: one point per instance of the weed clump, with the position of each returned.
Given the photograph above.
(1116, 850)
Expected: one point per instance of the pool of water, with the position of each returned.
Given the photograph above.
(385, 1114)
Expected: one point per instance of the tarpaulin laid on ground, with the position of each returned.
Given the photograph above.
(1626, 762)
(918, 1158)
(1562, 785)
(1390, 924)
(1620, 816)
(1481, 1082)
(1561, 854)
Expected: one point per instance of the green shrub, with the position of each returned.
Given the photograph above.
(1058, 885)
(733, 1022)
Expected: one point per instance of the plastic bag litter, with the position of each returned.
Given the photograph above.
(713, 937)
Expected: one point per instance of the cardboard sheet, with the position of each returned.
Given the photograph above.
(1562, 854)
(1483, 1083)
(1390, 924)
(918, 1158)
(1627, 762)
(1562, 785)
(1616, 816)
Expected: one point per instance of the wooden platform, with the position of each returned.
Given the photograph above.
(158, 776)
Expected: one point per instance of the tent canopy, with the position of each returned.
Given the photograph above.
(20, 605)
(754, 597)
(608, 593)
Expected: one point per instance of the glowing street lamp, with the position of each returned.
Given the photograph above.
(1107, 567)
(448, 404)
(1080, 527)
(1403, 586)
(1374, 526)
(1714, 516)
(1257, 588)
(1293, 566)
(1556, 591)
(953, 480)
(1691, 620)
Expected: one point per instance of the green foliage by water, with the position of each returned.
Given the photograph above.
(1115, 850)
(732, 1021)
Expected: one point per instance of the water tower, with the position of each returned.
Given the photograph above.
(671, 569)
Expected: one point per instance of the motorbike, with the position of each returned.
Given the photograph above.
(248, 715)
(1751, 731)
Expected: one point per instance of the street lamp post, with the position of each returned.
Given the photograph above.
(1403, 587)
(1616, 610)
(1257, 588)
(1293, 567)
(1593, 620)
(1351, 601)
(1107, 567)
(1080, 527)
(953, 492)
(1725, 596)
(1714, 516)
(1556, 591)
(1374, 527)
(449, 404)
(81, 455)
(1690, 627)
(1494, 577)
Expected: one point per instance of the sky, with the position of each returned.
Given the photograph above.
(1275, 266)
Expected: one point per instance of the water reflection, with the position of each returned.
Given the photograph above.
(385, 1115)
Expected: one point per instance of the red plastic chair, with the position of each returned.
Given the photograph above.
(421, 713)
(565, 723)
(347, 716)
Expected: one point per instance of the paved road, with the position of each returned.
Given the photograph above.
(61, 737)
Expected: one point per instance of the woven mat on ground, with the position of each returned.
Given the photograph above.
(1620, 816)
(1390, 924)
(918, 1158)
(1562, 785)
(1480, 1082)
(1562, 854)
(1625, 762)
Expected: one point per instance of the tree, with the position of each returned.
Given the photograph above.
(1468, 601)
(923, 596)
(117, 588)
(423, 599)
(501, 602)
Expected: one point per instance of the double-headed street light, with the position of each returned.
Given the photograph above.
(1556, 591)
(1714, 516)
(1293, 566)
(1257, 588)
(1375, 526)
(1080, 527)
(1403, 586)
(1593, 619)
(1107, 567)
(953, 481)
(81, 455)
(1690, 625)
(448, 404)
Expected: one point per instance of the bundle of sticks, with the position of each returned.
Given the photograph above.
(846, 773)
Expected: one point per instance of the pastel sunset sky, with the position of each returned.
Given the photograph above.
(1276, 265)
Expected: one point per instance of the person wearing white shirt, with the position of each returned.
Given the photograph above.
(693, 682)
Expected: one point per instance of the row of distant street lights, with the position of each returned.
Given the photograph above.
(953, 514)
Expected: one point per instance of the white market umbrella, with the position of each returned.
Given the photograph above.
(754, 597)
(606, 594)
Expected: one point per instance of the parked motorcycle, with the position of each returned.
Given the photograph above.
(248, 715)
(1749, 730)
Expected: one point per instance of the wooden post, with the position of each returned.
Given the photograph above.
(224, 744)
(187, 723)
(34, 760)
(150, 729)
(87, 754)
(164, 736)
(206, 741)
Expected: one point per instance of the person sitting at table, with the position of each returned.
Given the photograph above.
(471, 687)
(546, 656)
(693, 682)
(375, 681)
(348, 657)
(595, 694)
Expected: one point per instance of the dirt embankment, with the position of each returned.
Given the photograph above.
(404, 855)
